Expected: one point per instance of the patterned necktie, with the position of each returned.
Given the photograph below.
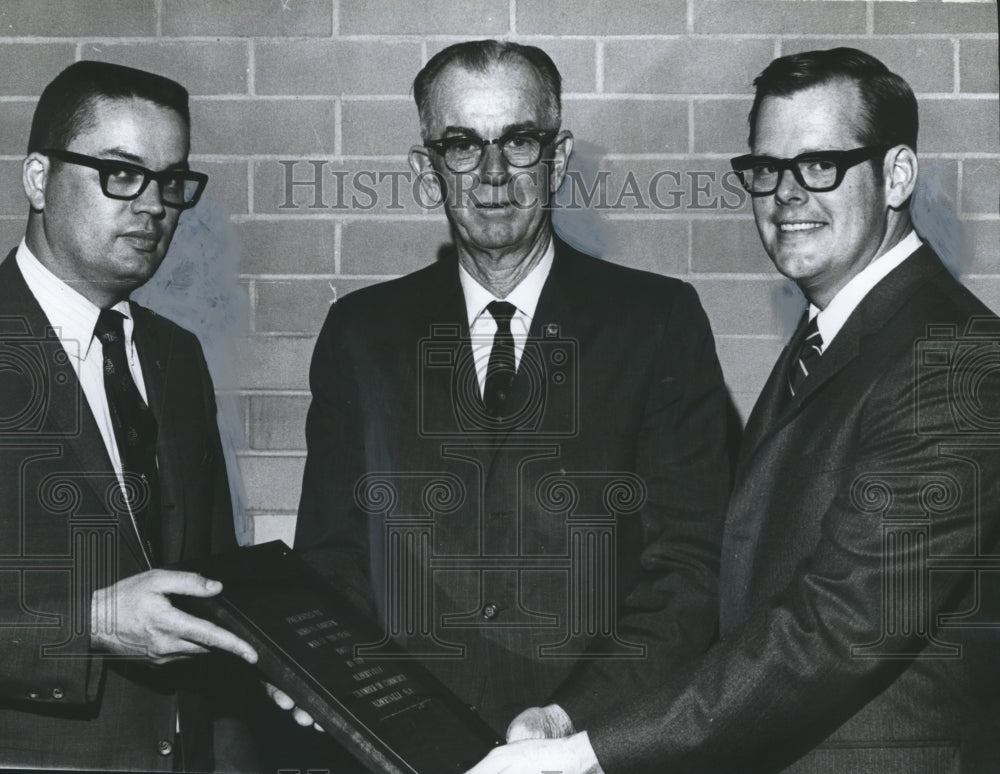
(809, 353)
(501, 369)
(135, 432)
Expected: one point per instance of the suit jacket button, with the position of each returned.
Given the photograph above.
(57, 693)
(164, 747)
(34, 695)
(490, 611)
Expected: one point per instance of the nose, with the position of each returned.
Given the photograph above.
(494, 165)
(150, 200)
(789, 190)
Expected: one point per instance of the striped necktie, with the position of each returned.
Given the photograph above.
(808, 356)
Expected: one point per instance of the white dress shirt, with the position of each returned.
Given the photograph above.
(832, 319)
(73, 318)
(482, 326)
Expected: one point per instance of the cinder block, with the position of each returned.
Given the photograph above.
(926, 64)
(623, 125)
(275, 362)
(377, 246)
(300, 306)
(576, 60)
(915, 18)
(656, 245)
(291, 306)
(779, 17)
(429, 17)
(278, 421)
(729, 245)
(28, 67)
(287, 246)
(59, 19)
(720, 126)
(981, 186)
(245, 18)
(11, 231)
(263, 126)
(227, 183)
(977, 66)
(15, 124)
(959, 126)
(379, 128)
(678, 66)
(639, 17)
(219, 67)
(758, 307)
(335, 67)
(12, 201)
(356, 188)
(746, 365)
(982, 238)
(272, 483)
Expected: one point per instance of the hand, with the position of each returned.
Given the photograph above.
(569, 755)
(549, 722)
(286, 702)
(134, 617)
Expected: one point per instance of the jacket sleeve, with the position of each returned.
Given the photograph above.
(331, 532)
(792, 674)
(682, 456)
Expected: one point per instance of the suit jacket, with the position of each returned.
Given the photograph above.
(859, 596)
(65, 532)
(588, 525)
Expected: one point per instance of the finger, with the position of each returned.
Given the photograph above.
(207, 634)
(280, 698)
(302, 717)
(177, 582)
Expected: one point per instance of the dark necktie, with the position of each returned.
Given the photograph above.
(807, 357)
(135, 432)
(501, 369)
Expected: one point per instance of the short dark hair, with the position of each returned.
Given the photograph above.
(889, 109)
(480, 56)
(66, 105)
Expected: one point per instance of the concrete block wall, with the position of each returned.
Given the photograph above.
(290, 92)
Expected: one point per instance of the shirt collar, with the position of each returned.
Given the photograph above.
(525, 296)
(71, 315)
(831, 319)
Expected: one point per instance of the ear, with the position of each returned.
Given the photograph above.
(561, 152)
(34, 177)
(900, 172)
(423, 168)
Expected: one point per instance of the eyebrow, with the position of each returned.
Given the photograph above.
(506, 129)
(131, 158)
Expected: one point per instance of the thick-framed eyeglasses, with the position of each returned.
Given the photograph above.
(520, 148)
(815, 171)
(179, 188)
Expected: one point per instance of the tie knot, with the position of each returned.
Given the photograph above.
(110, 327)
(813, 337)
(502, 312)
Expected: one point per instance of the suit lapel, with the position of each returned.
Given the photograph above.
(69, 420)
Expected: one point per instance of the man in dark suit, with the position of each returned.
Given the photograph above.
(860, 606)
(517, 455)
(111, 461)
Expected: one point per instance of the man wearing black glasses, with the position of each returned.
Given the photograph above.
(111, 461)
(517, 455)
(860, 609)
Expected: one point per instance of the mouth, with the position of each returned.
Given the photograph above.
(800, 226)
(146, 241)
